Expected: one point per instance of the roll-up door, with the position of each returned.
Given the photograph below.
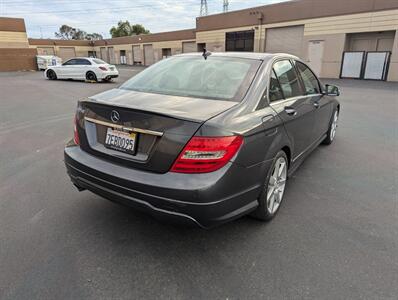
(45, 50)
(66, 52)
(285, 39)
(111, 55)
(104, 55)
(148, 55)
(188, 47)
(137, 59)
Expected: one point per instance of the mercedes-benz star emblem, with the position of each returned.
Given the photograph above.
(115, 117)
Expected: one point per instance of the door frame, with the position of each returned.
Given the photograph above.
(311, 42)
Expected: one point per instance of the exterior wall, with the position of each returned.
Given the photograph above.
(215, 39)
(175, 46)
(13, 33)
(371, 41)
(293, 11)
(81, 49)
(393, 71)
(9, 39)
(332, 30)
(14, 47)
(17, 59)
(334, 46)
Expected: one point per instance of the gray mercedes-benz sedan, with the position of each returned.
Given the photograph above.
(203, 138)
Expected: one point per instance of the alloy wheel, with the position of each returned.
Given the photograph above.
(334, 126)
(91, 76)
(276, 185)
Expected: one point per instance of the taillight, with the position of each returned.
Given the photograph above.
(75, 133)
(206, 154)
(103, 68)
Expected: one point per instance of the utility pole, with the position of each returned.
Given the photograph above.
(225, 6)
(203, 8)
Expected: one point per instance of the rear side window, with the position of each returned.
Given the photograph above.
(83, 62)
(70, 62)
(275, 92)
(99, 61)
(311, 84)
(287, 78)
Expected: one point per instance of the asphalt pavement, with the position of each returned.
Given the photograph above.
(335, 237)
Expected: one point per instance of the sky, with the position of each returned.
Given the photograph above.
(44, 17)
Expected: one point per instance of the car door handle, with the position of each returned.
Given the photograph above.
(290, 111)
(316, 104)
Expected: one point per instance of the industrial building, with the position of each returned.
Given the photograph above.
(339, 38)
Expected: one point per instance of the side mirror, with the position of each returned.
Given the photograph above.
(331, 90)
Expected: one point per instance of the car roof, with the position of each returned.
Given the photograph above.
(82, 57)
(246, 55)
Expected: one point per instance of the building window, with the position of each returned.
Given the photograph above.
(166, 52)
(123, 58)
(240, 41)
(92, 53)
(201, 47)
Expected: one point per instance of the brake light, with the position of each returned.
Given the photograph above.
(206, 154)
(103, 68)
(75, 133)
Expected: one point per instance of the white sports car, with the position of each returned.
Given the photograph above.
(82, 68)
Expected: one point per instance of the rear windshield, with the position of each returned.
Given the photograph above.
(223, 78)
(98, 61)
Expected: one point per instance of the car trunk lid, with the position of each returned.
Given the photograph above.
(161, 125)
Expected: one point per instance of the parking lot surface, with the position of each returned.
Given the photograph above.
(335, 237)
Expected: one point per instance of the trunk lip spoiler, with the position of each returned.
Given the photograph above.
(118, 126)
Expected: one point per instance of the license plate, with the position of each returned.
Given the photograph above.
(120, 140)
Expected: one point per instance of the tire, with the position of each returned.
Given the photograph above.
(90, 76)
(272, 193)
(51, 75)
(334, 122)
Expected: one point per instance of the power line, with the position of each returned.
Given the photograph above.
(96, 9)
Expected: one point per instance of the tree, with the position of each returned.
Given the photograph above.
(79, 35)
(67, 32)
(124, 28)
(138, 29)
(94, 36)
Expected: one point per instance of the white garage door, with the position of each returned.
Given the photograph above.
(66, 52)
(285, 39)
(104, 55)
(45, 50)
(188, 47)
(137, 59)
(148, 55)
(111, 55)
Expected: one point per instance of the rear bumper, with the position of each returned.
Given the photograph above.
(109, 74)
(204, 200)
